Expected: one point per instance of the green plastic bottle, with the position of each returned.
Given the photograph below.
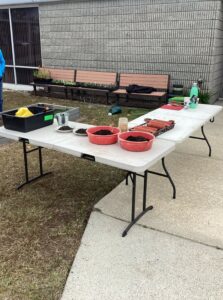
(194, 90)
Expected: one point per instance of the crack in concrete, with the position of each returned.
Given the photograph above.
(159, 230)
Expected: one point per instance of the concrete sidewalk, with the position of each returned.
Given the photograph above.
(175, 251)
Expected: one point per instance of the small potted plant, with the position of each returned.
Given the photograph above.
(204, 97)
(58, 82)
(98, 86)
(70, 83)
(42, 76)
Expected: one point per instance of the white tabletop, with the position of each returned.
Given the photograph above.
(112, 155)
(186, 120)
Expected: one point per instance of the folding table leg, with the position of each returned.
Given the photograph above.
(167, 175)
(134, 219)
(204, 138)
(129, 175)
(41, 173)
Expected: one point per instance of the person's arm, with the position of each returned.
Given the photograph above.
(2, 64)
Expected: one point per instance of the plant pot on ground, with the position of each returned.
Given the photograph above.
(178, 89)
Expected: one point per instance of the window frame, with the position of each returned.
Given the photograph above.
(13, 65)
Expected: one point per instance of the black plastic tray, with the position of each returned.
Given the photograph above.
(41, 118)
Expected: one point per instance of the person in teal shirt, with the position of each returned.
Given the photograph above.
(2, 71)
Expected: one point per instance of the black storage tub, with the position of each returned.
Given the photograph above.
(41, 118)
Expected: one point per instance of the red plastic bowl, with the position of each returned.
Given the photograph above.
(136, 146)
(103, 139)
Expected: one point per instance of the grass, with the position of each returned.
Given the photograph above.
(42, 224)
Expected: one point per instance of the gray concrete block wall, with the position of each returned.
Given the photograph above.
(216, 73)
(176, 37)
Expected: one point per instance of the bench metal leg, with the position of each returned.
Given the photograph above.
(107, 98)
(41, 172)
(204, 138)
(66, 93)
(117, 99)
(134, 219)
(72, 94)
(34, 87)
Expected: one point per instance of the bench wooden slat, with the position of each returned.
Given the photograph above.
(87, 89)
(156, 81)
(153, 94)
(61, 74)
(96, 77)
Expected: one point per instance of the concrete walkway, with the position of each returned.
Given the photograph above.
(175, 251)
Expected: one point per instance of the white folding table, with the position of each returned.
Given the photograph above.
(135, 163)
(187, 121)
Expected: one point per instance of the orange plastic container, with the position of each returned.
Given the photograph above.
(136, 146)
(103, 139)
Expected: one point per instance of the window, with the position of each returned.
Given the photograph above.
(5, 37)
(20, 43)
(26, 36)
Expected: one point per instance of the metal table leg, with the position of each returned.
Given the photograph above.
(167, 175)
(204, 138)
(41, 172)
(134, 219)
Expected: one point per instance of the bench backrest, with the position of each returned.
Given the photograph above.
(60, 74)
(160, 82)
(107, 78)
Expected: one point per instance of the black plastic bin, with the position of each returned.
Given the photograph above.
(41, 118)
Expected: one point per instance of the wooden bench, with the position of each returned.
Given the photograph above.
(56, 74)
(159, 82)
(97, 78)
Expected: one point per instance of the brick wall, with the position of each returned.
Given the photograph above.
(177, 37)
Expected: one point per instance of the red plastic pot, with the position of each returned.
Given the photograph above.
(103, 139)
(136, 146)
